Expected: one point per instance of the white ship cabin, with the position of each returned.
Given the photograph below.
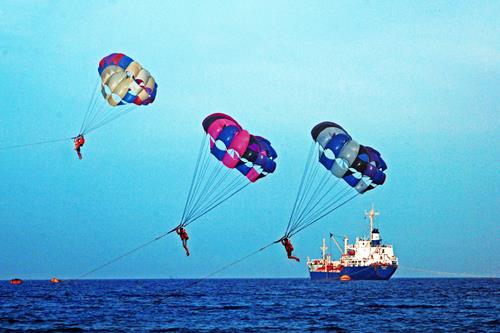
(365, 252)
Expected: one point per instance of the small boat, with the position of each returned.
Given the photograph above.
(16, 281)
(55, 280)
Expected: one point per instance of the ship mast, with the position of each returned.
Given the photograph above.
(371, 214)
(323, 249)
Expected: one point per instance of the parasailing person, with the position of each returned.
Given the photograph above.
(124, 85)
(289, 249)
(79, 142)
(184, 238)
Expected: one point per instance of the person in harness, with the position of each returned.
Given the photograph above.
(184, 238)
(79, 142)
(289, 249)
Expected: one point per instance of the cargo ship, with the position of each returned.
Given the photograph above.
(366, 259)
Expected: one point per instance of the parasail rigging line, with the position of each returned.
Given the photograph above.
(446, 273)
(223, 268)
(90, 106)
(311, 173)
(206, 181)
(325, 214)
(311, 211)
(226, 195)
(205, 194)
(210, 198)
(310, 181)
(211, 185)
(218, 180)
(315, 199)
(218, 203)
(308, 176)
(314, 195)
(308, 162)
(96, 109)
(34, 143)
(200, 153)
(198, 177)
(124, 255)
(325, 203)
(236, 182)
(99, 114)
(109, 118)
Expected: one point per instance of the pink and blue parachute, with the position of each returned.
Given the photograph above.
(360, 166)
(125, 81)
(235, 147)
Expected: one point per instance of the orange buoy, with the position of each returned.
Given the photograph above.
(16, 281)
(55, 280)
(345, 278)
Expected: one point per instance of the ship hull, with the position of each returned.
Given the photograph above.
(357, 273)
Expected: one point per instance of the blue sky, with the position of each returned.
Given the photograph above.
(417, 81)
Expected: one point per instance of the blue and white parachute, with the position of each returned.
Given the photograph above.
(360, 168)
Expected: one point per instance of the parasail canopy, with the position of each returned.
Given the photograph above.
(124, 81)
(359, 166)
(334, 157)
(124, 85)
(232, 159)
(253, 156)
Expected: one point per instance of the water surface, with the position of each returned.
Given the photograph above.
(252, 305)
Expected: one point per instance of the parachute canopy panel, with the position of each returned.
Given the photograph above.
(253, 156)
(361, 167)
(125, 81)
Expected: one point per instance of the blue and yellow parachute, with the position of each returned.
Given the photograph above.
(125, 81)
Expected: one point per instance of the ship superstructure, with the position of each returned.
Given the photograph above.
(366, 259)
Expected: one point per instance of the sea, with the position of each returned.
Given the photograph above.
(252, 305)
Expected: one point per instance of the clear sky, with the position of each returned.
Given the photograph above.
(418, 81)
